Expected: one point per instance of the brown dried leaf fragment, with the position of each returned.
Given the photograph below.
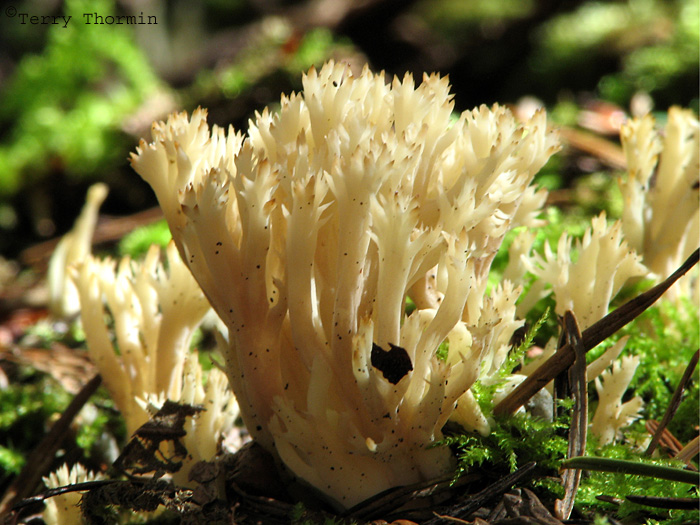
(144, 453)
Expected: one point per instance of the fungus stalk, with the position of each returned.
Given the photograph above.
(73, 248)
(308, 234)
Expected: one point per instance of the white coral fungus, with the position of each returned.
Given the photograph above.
(65, 509)
(308, 234)
(207, 431)
(74, 247)
(155, 313)
(612, 414)
(587, 283)
(661, 217)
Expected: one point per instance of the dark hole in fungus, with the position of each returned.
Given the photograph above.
(394, 364)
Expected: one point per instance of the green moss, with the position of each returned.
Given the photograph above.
(599, 192)
(565, 113)
(68, 103)
(518, 353)
(571, 36)
(264, 56)
(484, 394)
(620, 485)
(136, 243)
(25, 407)
(652, 59)
(89, 435)
(315, 47)
(11, 462)
(659, 66)
(450, 18)
(512, 443)
(443, 351)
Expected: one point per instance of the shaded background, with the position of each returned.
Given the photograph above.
(75, 100)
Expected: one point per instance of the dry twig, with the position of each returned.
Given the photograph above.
(674, 404)
(579, 420)
(41, 457)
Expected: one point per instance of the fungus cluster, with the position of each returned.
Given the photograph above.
(308, 234)
(139, 319)
(587, 282)
(661, 217)
(612, 414)
(154, 314)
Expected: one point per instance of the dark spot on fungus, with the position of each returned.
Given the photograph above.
(394, 364)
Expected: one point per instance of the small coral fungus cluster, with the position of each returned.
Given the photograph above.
(309, 233)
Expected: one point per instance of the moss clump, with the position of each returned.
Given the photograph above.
(25, 406)
(513, 442)
(136, 243)
(66, 105)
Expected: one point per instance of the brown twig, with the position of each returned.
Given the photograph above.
(388, 501)
(666, 440)
(606, 151)
(497, 488)
(579, 420)
(674, 403)
(41, 457)
(591, 337)
(665, 503)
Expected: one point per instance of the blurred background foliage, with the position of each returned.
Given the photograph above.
(75, 98)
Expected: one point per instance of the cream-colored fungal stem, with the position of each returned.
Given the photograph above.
(304, 222)
(352, 185)
(74, 247)
(392, 232)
